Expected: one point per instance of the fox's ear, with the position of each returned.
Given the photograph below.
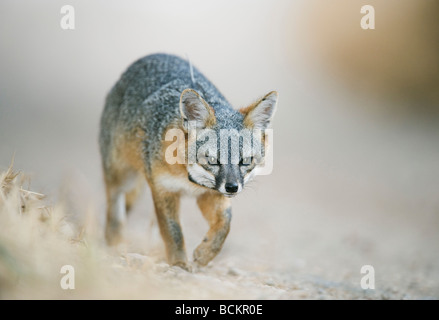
(194, 108)
(259, 114)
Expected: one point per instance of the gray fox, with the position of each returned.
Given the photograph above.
(155, 94)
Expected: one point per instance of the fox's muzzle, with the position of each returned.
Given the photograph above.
(229, 180)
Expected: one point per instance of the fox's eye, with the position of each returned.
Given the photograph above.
(212, 160)
(245, 161)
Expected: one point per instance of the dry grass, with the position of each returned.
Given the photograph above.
(33, 239)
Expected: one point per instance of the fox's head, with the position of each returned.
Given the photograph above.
(226, 146)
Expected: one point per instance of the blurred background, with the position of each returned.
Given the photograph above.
(356, 172)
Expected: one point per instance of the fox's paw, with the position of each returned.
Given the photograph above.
(184, 265)
(203, 254)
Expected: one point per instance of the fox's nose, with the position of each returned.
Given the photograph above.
(231, 187)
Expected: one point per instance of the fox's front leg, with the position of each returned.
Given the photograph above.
(218, 213)
(167, 205)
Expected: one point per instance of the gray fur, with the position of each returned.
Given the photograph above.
(147, 97)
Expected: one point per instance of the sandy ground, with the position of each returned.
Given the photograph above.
(283, 254)
(349, 188)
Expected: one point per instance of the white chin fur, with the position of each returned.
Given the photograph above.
(201, 176)
(179, 184)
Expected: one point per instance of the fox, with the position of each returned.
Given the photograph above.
(162, 92)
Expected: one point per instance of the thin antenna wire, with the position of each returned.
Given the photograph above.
(190, 68)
